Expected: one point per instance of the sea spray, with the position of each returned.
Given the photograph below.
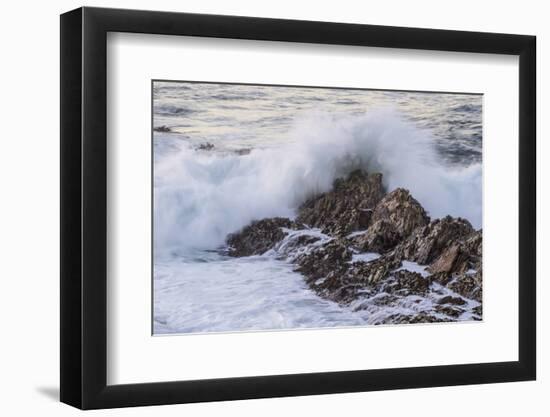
(200, 197)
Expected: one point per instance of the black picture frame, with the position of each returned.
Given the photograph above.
(84, 207)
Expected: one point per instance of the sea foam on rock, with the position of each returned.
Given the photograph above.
(427, 271)
(258, 237)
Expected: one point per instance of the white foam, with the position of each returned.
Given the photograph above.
(365, 257)
(357, 233)
(414, 267)
(227, 295)
(200, 197)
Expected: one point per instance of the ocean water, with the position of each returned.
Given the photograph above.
(273, 147)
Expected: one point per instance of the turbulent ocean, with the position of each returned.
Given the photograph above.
(226, 155)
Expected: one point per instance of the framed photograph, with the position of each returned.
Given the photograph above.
(260, 208)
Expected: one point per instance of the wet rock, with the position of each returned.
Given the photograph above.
(451, 311)
(461, 256)
(243, 151)
(400, 210)
(325, 262)
(374, 272)
(258, 237)
(395, 226)
(449, 299)
(422, 317)
(442, 278)
(468, 285)
(347, 207)
(428, 242)
(453, 259)
(207, 146)
(337, 289)
(405, 283)
(384, 299)
(379, 237)
(474, 243)
(163, 129)
(295, 246)
(335, 278)
(478, 310)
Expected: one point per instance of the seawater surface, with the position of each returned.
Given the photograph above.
(273, 147)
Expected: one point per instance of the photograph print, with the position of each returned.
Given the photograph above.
(293, 207)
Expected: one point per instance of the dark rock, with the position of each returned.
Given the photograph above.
(347, 207)
(324, 261)
(258, 237)
(379, 237)
(462, 255)
(452, 311)
(442, 278)
(243, 151)
(428, 242)
(401, 211)
(384, 299)
(405, 283)
(292, 247)
(329, 272)
(336, 288)
(478, 310)
(163, 129)
(421, 317)
(207, 146)
(398, 228)
(468, 285)
(453, 259)
(374, 272)
(449, 299)
(474, 243)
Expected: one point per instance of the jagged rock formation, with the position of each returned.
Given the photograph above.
(164, 129)
(206, 146)
(401, 211)
(372, 251)
(258, 237)
(429, 242)
(347, 207)
(380, 237)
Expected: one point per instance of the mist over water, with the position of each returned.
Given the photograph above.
(274, 148)
(200, 197)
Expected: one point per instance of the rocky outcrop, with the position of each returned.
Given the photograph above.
(421, 317)
(163, 129)
(428, 242)
(374, 272)
(206, 146)
(258, 237)
(329, 271)
(401, 211)
(405, 283)
(295, 245)
(453, 259)
(467, 284)
(449, 299)
(380, 237)
(347, 207)
(473, 244)
(243, 151)
(324, 260)
(376, 251)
